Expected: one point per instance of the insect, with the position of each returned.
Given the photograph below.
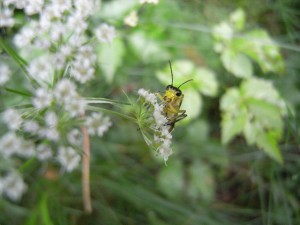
(172, 100)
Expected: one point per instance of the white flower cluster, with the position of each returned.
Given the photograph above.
(162, 136)
(5, 73)
(63, 22)
(12, 186)
(98, 124)
(149, 1)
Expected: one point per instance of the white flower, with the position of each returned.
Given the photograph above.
(34, 6)
(27, 149)
(62, 5)
(77, 23)
(5, 74)
(9, 144)
(75, 137)
(43, 152)
(82, 70)
(105, 33)
(86, 8)
(6, 17)
(31, 126)
(42, 98)
(57, 30)
(165, 150)
(149, 1)
(162, 137)
(75, 107)
(51, 119)
(132, 19)
(12, 119)
(97, 124)
(40, 69)
(65, 90)
(13, 186)
(68, 158)
(26, 35)
(50, 133)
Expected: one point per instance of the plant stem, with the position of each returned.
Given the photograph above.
(86, 172)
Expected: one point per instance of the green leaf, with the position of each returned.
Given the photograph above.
(237, 19)
(110, 57)
(230, 100)
(233, 124)
(265, 113)
(269, 144)
(148, 50)
(206, 81)
(237, 63)
(264, 90)
(192, 103)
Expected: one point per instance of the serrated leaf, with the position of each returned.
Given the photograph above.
(206, 81)
(265, 113)
(233, 124)
(192, 103)
(262, 89)
(237, 63)
(182, 71)
(230, 100)
(237, 19)
(268, 143)
(148, 50)
(110, 57)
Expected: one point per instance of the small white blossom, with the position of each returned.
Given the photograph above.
(68, 158)
(162, 136)
(31, 126)
(132, 19)
(105, 33)
(27, 149)
(43, 152)
(42, 98)
(40, 69)
(6, 17)
(12, 119)
(13, 186)
(149, 1)
(97, 124)
(5, 74)
(34, 6)
(86, 8)
(9, 144)
(82, 70)
(75, 107)
(50, 133)
(51, 119)
(65, 90)
(77, 23)
(165, 150)
(26, 35)
(75, 137)
(62, 5)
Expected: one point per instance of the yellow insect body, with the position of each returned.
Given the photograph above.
(172, 100)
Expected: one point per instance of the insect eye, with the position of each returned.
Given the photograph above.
(178, 93)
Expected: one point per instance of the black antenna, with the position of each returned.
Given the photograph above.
(171, 72)
(185, 83)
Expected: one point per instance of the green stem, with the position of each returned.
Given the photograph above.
(93, 108)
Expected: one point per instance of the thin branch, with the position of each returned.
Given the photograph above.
(86, 172)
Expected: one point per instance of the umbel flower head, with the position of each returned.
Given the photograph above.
(153, 123)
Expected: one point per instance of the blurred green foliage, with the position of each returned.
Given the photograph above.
(216, 174)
